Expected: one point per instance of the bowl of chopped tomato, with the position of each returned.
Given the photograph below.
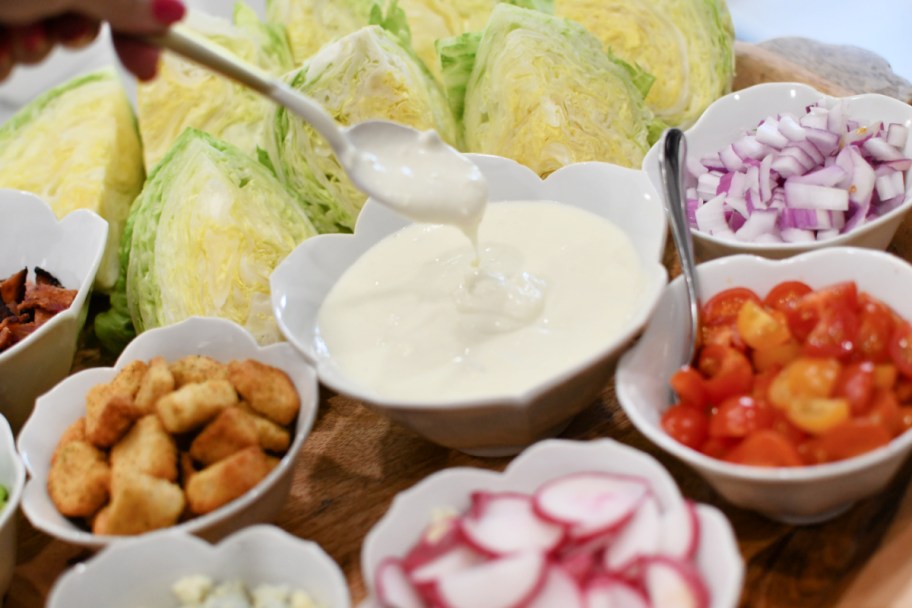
(799, 398)
(47, 269)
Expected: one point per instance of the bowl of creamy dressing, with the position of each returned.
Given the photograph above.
(487, 337)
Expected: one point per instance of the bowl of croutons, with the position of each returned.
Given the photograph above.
(47, 269)
(195, 427)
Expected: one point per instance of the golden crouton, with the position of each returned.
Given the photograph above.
(231, 431)
(272, 437)
(197, 368)
(129, 378)
(158, 382)
(222, 482)
(193, 405)
(141, 503)
(109, 413)
(79, 479)
(74, 432)
(147, 448)
(268, 390)
(100, 520)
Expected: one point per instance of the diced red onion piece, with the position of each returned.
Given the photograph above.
(811, 150)
(889, 185)
(764, 175)
(797, 235)
(748, 146)
(730, 159)
(897, 135)
(809, 196)
(761, 221)
(768, 133)
(828, 176)
(738, 205)
(900, 165)
(768, 238)
(710, 218)
(787, 166)
(825, 141)
(695, 167)
(800, 155)
(881, 150)
(836, 119)
(816, 118)
(823, 235)
(789, 127)
(712, 162)
(862, 186)
(708, 184)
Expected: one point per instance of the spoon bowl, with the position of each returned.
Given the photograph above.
(413, 172)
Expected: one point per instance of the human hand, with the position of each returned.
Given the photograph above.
(30, 30)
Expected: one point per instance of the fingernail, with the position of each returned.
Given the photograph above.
(168, 11)
(34, 38)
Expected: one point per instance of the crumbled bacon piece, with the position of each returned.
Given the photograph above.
(25, 306)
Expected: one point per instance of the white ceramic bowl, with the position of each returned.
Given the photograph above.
(12, 477)
(70, 249)
(142, 571)
(217, 338)
(794, 494)
(718, 556)
(729, 117)
(495, 426)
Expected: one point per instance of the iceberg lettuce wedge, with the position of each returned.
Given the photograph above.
(365, 75)
(186, 95)
(203, 237)
(688, 45)
(77, 147)
(545, 92)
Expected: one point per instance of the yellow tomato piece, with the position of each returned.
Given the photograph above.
(804, 378)
(885, 375)
(817, 415)
(758, 328)
(781, 355)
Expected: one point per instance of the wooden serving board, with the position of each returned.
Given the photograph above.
(355, 461)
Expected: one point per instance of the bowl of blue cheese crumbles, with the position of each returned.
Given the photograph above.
(259, 567)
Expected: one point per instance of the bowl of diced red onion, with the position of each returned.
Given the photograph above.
(568, 523)
(780, 168)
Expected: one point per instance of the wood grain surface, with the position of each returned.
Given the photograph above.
(355, 461)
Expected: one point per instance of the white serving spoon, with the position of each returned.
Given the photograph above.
(414, 172)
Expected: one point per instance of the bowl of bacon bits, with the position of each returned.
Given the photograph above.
(780, 168)
(569, 524)
(799, 399)
(195, 427)
(47, 268)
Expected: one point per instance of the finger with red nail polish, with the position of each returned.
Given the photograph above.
(73, 30)
(141, 59)
(30, 43)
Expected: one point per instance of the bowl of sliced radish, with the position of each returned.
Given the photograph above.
(568, 524)
(780, 168)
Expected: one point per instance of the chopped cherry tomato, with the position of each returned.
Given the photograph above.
(905, 416)
(759, 328)
(689, 386)
(776, 356)
(722, 335)
(856, 383)
(727, 371)
(785, 296)
(739, 417)
(765, 448)
(686, 424)
(885, 412)
(847, 439)
(834, 334)
(723, 308)
(885, 376)
(804, 378)
(782, 425)
(718, 447)
(817, 415)
(875, 327)
(901, 348)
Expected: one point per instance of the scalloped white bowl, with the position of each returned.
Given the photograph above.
(217, 338)
(794, 495)
(71, 250)
(718, 556)
(12, 477)
(142, 571)
(496, 426)
(729, 117)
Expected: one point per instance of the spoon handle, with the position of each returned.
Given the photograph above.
(185, 43)
(674, 149)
